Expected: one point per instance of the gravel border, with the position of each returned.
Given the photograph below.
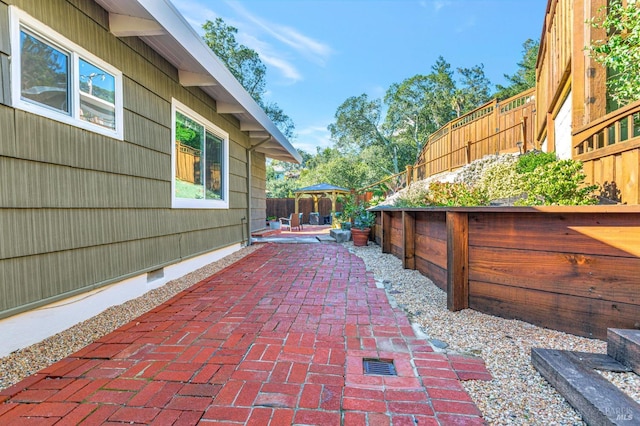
(518, 394)
(27, 361)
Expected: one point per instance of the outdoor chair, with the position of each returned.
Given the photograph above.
(293, 221)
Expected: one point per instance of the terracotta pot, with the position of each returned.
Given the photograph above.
(360, 236)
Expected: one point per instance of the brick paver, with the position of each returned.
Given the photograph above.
(277, 338)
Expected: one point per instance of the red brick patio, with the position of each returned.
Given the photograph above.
(277, 338)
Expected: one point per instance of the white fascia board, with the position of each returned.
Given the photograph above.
(165, 13)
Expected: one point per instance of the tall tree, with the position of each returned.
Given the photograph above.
(422, 104)
(441, 88)
(525, 76)
(407, 118)
(334, 167)
(474, 91)
(247, 67)
(357, 126)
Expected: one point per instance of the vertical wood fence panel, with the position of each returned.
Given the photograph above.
(495, 127)
(283, 207)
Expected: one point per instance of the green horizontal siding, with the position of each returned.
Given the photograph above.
(28, 184)
(37, 231)
(43, 278)
(80, 210)
(146, 103)
(45, 140)
(7, 132)
(5, 47)
(147, 133)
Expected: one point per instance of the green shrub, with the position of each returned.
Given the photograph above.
(500, 180)
(414, 196)
(455, 195)
(536, 176)
(559, 183)
(531, 160)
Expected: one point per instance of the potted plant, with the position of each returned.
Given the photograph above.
(273, 222)
(348, 210)
(363, 220)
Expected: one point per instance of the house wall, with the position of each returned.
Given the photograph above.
(80, 210)
(562, 130)
(258, 191)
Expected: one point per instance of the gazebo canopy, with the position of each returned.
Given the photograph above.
(318, 191)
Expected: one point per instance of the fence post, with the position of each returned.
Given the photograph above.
(496, 122)
(409, 175)
(386, 231)
(409, 240)
(450, 156)
(524, 135)
(468, 152)
(457, 261)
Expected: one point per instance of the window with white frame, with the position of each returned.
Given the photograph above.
(200, 161)
(55, 78)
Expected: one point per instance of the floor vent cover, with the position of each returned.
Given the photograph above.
(380, 367)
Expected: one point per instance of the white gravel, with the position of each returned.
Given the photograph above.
(517, 394)
(25, 362)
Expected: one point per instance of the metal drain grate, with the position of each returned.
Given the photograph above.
(380, 367)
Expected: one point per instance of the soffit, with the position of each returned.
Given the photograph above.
(161, 26)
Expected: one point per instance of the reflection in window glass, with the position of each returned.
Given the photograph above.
(44, 73)
(189, 150)
(213, 150)
(97, 95)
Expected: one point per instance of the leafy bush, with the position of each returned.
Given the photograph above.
(414, 196)
(618, 51)
(559, 183)
(500, 179)
(363, 218)
(531, 160)
(536, 178)
(455, 194)
(443, 194)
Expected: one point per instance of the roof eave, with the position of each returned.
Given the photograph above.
(160, 25)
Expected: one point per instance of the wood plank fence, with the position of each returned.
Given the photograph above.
(609, 149)
(574, 269)
(495, 127)
(188, 163)
(283, 207)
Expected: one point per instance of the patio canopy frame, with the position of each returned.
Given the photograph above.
(318, 191)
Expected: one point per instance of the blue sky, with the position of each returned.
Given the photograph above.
(319, 53)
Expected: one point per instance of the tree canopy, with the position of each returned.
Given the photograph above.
(374, 138)
(389, 134)
(525, 77)
(247, 67)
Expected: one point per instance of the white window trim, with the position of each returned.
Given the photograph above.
(186, 203)
(20, 18)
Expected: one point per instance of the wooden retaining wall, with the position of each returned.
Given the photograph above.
(574, 269)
